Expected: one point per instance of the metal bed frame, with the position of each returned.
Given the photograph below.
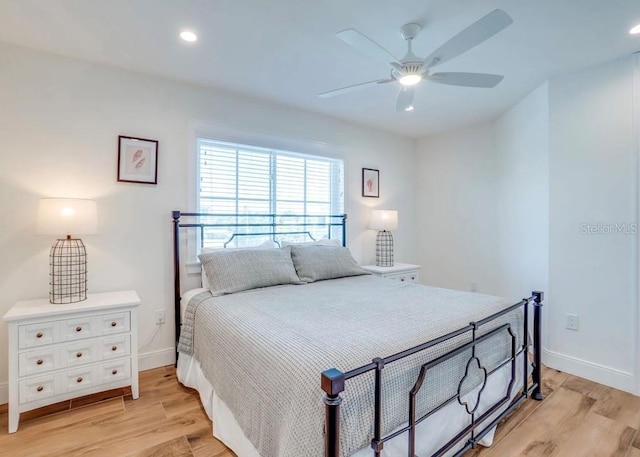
(333, 380)
(333, 384)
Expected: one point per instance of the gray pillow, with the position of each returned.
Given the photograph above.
(315, 263)
(236, 270)
(203, 276)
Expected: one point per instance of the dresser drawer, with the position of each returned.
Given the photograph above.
(77, 354)
(404, 277)
(76, 329)
(76, 379)
(114, 347)
(115, 323)
(38, 361)
(33, 335)
(113, 371)
(36, 389)
(403, 272)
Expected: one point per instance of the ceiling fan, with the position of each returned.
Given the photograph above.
(411, 69)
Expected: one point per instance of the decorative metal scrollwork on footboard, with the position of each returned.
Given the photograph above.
(468, 394)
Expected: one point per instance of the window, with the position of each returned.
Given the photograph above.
(237, 179)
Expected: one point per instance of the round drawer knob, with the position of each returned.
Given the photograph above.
(39, 335)
(413, 278)
(78, 329)
(79, 379)
(401, 279)
(113, 324)
(40, 362)
(78, 354)
(40, 388)
(114, 348)
(114, 372)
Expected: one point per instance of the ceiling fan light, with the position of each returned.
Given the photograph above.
(409, 108)
(189, 36)
(410, 79)
(635, 30)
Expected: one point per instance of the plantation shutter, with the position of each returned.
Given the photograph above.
(246, 180)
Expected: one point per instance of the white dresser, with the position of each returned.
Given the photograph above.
(399, 272)
(59, 352)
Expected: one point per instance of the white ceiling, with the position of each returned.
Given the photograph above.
(285, 51)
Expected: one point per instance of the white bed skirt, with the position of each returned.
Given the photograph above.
(430, 434)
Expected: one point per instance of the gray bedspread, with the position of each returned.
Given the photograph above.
(263, 351)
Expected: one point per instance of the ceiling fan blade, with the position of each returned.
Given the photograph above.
(405, 99)
(466, 79)
(344, 90)
(367, 46)
(476, 33)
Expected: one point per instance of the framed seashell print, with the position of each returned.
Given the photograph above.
(370, 182)
(137, 160)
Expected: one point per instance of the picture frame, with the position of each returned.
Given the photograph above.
(137, 160)
(370, 183)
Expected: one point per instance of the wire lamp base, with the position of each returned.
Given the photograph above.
(384, 249)
(67, 271)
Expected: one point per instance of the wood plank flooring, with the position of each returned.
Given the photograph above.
(578, 418)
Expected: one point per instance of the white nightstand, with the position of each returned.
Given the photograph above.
(399, 272)
(59, 352)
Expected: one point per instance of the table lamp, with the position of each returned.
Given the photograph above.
(384, 221)
(68, 256)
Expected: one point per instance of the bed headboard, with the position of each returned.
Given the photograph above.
(223, 230)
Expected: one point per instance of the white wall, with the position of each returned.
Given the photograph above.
(593, 180)
(523, 187)
(59, 123)
(483, 203)
(457, 210)
(522, 144)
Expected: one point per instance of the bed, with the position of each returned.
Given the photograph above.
(405, 369)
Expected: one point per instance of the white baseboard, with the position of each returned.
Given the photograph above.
(4, 393)
(155, 359)
(602, 374)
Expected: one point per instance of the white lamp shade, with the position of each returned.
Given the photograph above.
(384, 219)
(67, 216)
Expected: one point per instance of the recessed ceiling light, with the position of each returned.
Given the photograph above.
(635, 30)
(188, 36)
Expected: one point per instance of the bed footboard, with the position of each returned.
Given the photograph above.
(333, 384)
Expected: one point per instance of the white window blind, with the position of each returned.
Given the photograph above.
(237, 180)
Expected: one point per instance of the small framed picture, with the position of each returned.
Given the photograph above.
(137, 160)
(370, 183)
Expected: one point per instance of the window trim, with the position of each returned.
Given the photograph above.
(225, 133)
(220, 132)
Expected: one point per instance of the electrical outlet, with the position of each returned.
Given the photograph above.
(474, 286)
(573, 322)
(160, 317)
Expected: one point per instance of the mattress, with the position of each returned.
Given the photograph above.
(261, 352)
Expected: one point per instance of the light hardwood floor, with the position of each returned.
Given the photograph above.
(577, 418)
